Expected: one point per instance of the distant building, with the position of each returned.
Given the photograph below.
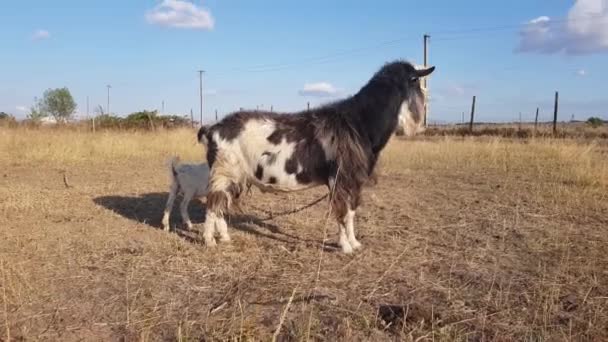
(48, 120)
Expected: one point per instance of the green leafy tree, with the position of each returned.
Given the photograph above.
(36, 112)
(595, 122)
(99, 110)
(142, 116)
(59, 103)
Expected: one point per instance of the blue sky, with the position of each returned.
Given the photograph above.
(512, 54)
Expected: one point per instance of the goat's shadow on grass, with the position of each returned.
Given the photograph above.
(148, 209)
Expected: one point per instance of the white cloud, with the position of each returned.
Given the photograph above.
(540, 20)
(585, 31)
(40, 35)
(180, 14)
(22, 108)
(320, 89)
(582, 72)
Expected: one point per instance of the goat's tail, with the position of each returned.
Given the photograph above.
(172, 164)
(202, 135)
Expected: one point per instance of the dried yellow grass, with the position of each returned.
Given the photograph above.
(464, 239)
(67, 146)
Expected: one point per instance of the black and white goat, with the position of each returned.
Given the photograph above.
(191, 181)
(336, 145)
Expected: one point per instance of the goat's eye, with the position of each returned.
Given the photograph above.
(413, 79)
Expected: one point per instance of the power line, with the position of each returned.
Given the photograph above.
(441, 35)
(521, 25)
(317, 59)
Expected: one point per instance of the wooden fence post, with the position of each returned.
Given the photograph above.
(519, 126)
(555, 113)
(472, 115)
(536, 121)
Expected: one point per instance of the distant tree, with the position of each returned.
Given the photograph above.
(142, 116)
(595, 121)
(36, 112)
(141, 119)
(108, 121)
(7, 119)
(99, 110)
(5, 116)
(59, 103)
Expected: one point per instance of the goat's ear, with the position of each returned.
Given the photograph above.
(200, 135)
(425, 72)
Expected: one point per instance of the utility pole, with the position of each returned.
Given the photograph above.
(162, 106)
(108, 107)
(536, 121)
(88, 114)
(200, 89)
(555, 112)
(426, 105)
(191, 118)
(472, 114)
(216, 115)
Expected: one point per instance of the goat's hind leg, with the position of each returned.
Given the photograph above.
(169, 206)
(184, 209)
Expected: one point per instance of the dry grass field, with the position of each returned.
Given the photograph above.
(572, 130)
(464, 240)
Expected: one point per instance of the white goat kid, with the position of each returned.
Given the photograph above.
(191, 181)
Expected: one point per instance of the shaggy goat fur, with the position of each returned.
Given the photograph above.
(191, 181)
(336, 145)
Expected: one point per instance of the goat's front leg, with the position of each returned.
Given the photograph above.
(349, 221)
(217, 205)
(343, 239)
(339, 208)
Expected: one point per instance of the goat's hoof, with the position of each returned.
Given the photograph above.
(346, 248)
(210, 242)
(356, 244)
(166, 228)
(225, 238)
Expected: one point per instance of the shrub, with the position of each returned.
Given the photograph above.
(7, 119)
(595, 121)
